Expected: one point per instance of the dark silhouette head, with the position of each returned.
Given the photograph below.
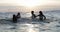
(18, 13)
(32, 12)
(41, 13)
(13, 15)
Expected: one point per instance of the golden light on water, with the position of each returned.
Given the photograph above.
(31, 28)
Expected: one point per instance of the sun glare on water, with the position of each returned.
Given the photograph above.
(30, 28)
(29, 3)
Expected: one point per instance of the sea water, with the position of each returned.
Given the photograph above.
(26, 24)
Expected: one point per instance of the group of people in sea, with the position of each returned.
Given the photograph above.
(41, 16)
(15, 17)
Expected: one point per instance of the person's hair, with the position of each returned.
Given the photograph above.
(41, 12)
(32, 12)
(13, 14)
(18, 13)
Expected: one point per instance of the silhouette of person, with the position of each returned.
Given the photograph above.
(14, 18)
(18, 15)
(41, 16)
(33, 15)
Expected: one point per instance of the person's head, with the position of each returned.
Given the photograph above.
(18, 13)
(41, 12)
(13, 15)
(32, 12)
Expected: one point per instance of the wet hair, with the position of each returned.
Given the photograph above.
(41, 12)
(32, 12)
(13, 15)
(18, 13)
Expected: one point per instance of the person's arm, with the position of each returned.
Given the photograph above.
(44, 17)
(37, 15)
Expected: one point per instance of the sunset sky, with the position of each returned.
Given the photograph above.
(31, 4)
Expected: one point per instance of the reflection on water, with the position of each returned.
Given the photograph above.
(28, 25)
(47, 27)
(21, 28)
(29, 28)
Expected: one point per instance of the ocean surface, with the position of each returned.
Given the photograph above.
(26, 24)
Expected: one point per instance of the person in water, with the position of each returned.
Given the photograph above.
(18, 15)
(41, 16)
(33, 15)
(14, 18)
